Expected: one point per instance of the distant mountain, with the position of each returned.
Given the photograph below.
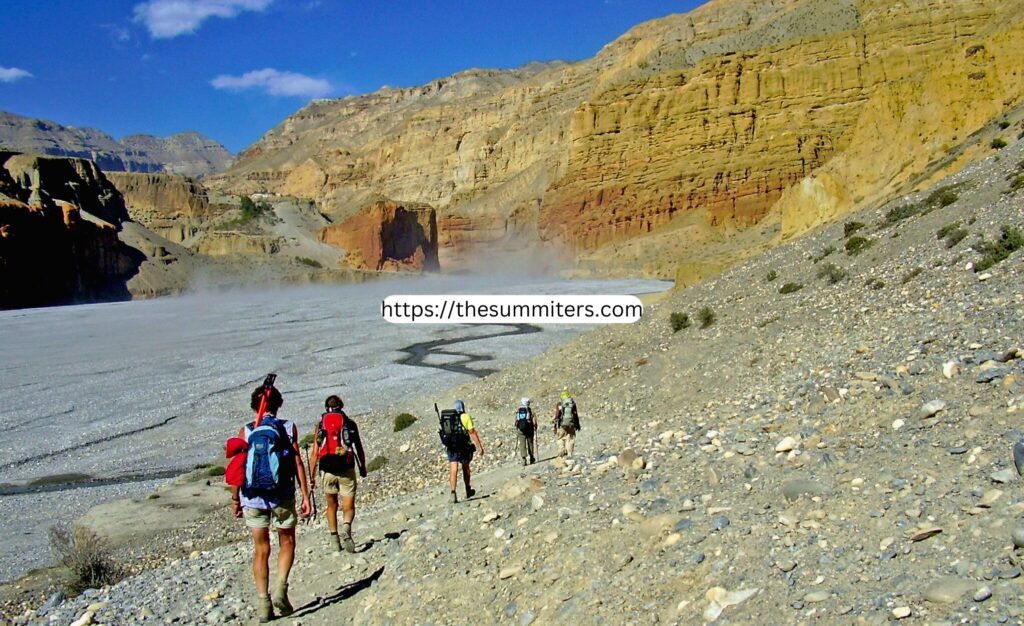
(186, 153)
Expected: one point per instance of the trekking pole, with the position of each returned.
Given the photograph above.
(268, 384)
(312, 492)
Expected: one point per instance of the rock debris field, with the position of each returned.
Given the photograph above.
(839, 453)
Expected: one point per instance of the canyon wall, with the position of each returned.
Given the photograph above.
(740, 109)
(387, 236)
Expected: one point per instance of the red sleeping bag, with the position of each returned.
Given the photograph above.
(236, 450)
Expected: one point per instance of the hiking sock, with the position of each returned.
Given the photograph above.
(264, 609)
(350, 545)
(335, 542)
(281, 603)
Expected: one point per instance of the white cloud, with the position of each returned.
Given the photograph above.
(275, 83)
(169, 18)
(11, 74)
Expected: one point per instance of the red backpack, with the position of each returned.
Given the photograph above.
(334, 452)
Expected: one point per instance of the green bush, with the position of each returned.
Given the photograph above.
(875, 283)
(851, 227)
(1003, 124)
(823, 254)
(706, 317)
(832, 273)
(86, 557)
(679, 321)
(940, 198)
(216, 470)
(998, 143)
(1017, 183)
(306, 441)
(403, 421)
(376, 463)
(955, 237)
(1010, 240)
(897, 214)
(772, 275)
(252, 210)
(944, 232)
(790, 288)
(857, 244)
(308, 262)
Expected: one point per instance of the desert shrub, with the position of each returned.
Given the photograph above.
(941, 197)
(897, 214)
(251, 210)
(875, 283)
(376, 463)
(944, 232)
(306, 441)
(706, 317)
(823, 254)
(998, 143)
(772, 275)
(89, 562)
(857, 244)
(911, 275)
(1010, 240)
(679, 321)
(955, 237)
(832, 273)
(790, 288)
(851, 227)
(308, 262)
(937, 199)
(403, 421)
(1017, 183)
(216, 470)
(1003, 124)
(200, 466)
(769, 320)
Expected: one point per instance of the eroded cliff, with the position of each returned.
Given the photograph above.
(387, 236)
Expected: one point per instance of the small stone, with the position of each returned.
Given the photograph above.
(950, 369)
(509, 572)
(931, 409)
(84, 620)
(787, 444)
(983, 594)
(924, 533)
(898, 424)
(537, 502)
(901, 612)
(719, 522)
(786, 566)
(817, 596)
(793, 489)
(1004, 476)
(947, 590)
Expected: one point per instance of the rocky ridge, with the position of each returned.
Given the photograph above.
(829, 442)
(187, 153)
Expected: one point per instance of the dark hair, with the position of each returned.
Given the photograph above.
(333, 402)
(274, 401)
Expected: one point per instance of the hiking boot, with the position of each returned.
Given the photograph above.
(264, 609)
(350, 546)
(335, 542)
(470, 492)
(454, 498)
(281, 603)
(524, 461)
(532, 460)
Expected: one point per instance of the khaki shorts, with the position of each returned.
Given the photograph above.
(284, 516)
(343, 484)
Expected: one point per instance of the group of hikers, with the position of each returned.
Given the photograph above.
(265, 462)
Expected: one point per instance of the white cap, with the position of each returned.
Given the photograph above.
(525, 401)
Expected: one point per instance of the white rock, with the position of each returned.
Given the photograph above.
(931, 408)
(720, 599)
(950, 369)
(898, 424)
(901, 612)
(787, 444)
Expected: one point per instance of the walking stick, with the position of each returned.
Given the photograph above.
(312, 492)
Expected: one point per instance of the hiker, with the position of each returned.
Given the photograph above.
(337, 449)
(458, 434)
(567, 424)
(273, 463)
(526, 430)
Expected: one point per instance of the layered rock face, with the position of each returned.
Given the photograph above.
(172, 206)
(188, 153)
(387, 236)
(802, 108)
(59, 223)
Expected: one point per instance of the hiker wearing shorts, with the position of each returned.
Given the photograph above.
(461, 452)
(274, 505)
(567, 424)
(337, 450)
(526, 430)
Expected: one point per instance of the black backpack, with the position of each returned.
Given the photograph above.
(524, 421)
(453, 434)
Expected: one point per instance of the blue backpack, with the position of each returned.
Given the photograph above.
(266, 467)
(523, 421)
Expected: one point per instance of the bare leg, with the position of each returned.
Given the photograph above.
(286, 555)
(332, 512)
(261, 559)
(465, 477)
(348, 509)
(454, 474)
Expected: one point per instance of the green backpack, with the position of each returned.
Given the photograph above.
(568, 416)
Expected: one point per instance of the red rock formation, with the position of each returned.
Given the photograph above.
(387, 236)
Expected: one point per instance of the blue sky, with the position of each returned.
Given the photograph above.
(233, 69)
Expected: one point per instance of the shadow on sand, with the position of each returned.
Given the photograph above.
(340, 594)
